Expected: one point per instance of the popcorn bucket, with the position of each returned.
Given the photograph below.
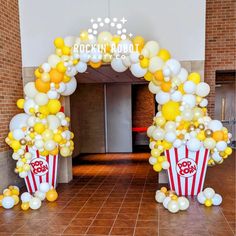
(42, 169)
(187, 170)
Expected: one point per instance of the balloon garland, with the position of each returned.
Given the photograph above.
(181, 119)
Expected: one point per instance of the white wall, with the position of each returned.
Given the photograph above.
(178, 25)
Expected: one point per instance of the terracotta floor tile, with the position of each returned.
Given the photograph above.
(74, 230)
(122, 231)
(98, 230)
(147, 232)
(103, 222)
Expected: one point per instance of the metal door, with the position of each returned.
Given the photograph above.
(118, 117)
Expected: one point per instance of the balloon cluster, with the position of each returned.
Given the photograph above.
(171, 201)
(208, 197)
(10, 197)
(35, 202)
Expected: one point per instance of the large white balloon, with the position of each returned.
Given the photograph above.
(203, 89)
(41, 99)
(174, 66)
(158, 133)
(8, 202)
(162, 97)
(35, 203)
(117, 65)
(194, 144)
(81, 67)
(18, 121)
(155, 64)
(176, 96)
(153, 88)
(53, 60)
(183, 203)
(30, 90)
(152, 47)
(40, 195)
(29, 103)
(160, 197)
(215, 125)
(25, 197)
(183, 75)
(70, 87)
(134, 57)
(53, 122)
(49, 145)
(173, 206)
(189, 87)
(44, 187)
(150, 130)
(18, 134)
(189, 99)
(221, 146)
(137, 70)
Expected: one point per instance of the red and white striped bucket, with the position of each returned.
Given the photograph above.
(187, 170)
(42, 169)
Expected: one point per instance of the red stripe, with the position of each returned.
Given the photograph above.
(47, 175)
(170, 171)
(202, 172)
(53, 171)
(28, 184)
(194, 177)
(186, 179)
(178, 177)
(35, 186)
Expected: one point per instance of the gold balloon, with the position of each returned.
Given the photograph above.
(201, 126)
(208, 133)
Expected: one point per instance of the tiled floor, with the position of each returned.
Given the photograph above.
(114, 195)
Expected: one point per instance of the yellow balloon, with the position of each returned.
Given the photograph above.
(52, 195)
(1, 197)
(7, 193)
(164, 54)
(15, 145)
(66, 51)
(104, 38)
(155, 152)
(16, 199)
(66, 79)
(44, 110)
(60, 67)
(84, 35)
(208, 202)
(47, 135)
(39, 128)
(25, 206)
(144, 63)
(59, 42)
(116, 39)
(138, 42)
(157, 167)
(20, 103)
(148, 76)
(65, 151)
(15, 191)
(37, 73)
(195, 77)
(57, 138)
(228, 151)
(170, 110)
(54, 106)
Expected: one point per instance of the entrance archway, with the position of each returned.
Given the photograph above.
(182, 118)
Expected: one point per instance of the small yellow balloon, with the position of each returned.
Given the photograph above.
(37, 73)
(16, 199)
(7, 193)
(164, 189)
(116, 39)
(95, 65)
(20, 103)
(15, 191)
(148, 76)
(84, 35)
(60, 67)
(164, 54)
(66, 51)
(25, 206)
(155, 152)
(1, 197)
(157, 167)
(170, 110)
(208, 203)
(228, 150)
(52, 195)
(54, 106)
(57, 138)
(138, 42)
(144, 63)
(66, 79)
(39, 128)
(195, 77)
(15, 145)
(59, 42)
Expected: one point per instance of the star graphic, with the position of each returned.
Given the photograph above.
(123, 20)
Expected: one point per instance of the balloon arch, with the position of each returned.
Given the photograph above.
(181, 120)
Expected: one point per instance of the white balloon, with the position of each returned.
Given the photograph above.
(194, 144)
(31, 121)
(150, 130)
(173, 206)
(53, 122)
(187, 114)
(49, 145)
(189, 87)
(53, 60)
(62, 87)
(134, 57)
(72, 71)
(209, 193)
(151, 145)
(217, 199)
(35, 203)
(221, 146)
(177, 143)
(117, 65)
(39, 144)
(174, 66)
(18, 121)
(152, 160)
(41, 99)
(23, 174)
(160, 196)
(152, 47)
(165, 165)
(70, 87)
(170, 136)
(189, 99)
(215, 125)
(183, 75)
(162, 97)
(18, 134)
(30, 90)
(166, 201)
(44, 187)
(137, 70)
(29, 103)
(166, 71)
(203, 89)
(60, 115)
(84, 57)
(8, 202)
(46, 67)
(209, 143)
(201, 198)
(52, 94)
(40, 195)
(158, 133)
(69, 41)
(81, 67)
(25, 197)
(176, 96)
(145, 52)
(124, 47)
(183, 203)
(153, 88)
(170, 126)
(216, 157)
(203, 103)
(126, 61)
(155, 64)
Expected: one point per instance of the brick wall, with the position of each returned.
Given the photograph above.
(220, 41)
(143, 106)
(10, 65)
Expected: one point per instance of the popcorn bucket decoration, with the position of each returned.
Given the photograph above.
(42, 169)
(187, 170)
